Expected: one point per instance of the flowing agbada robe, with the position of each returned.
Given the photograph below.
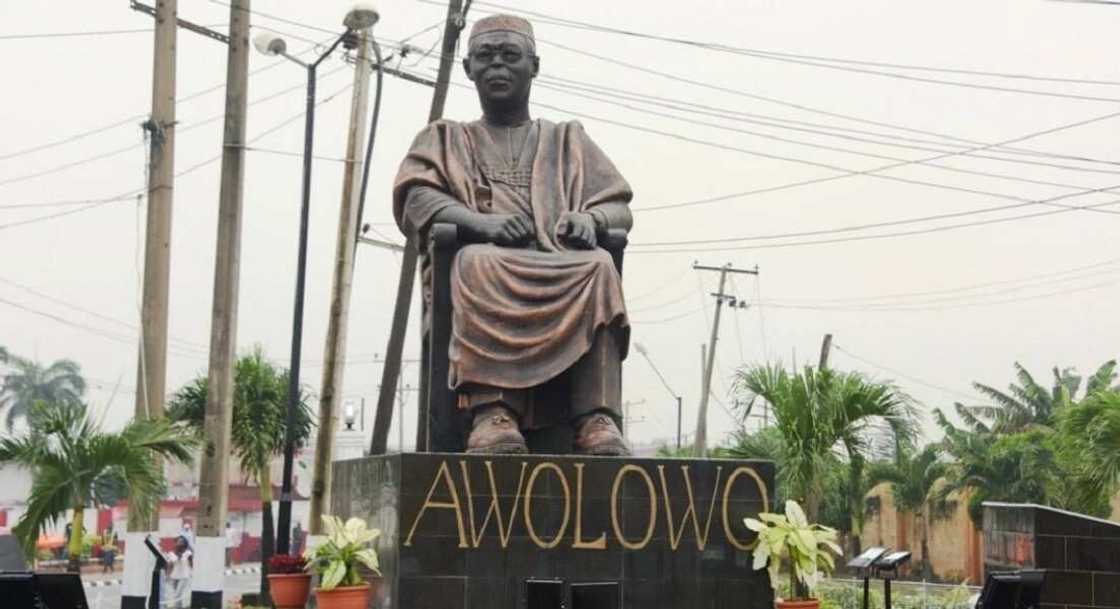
(521, 316)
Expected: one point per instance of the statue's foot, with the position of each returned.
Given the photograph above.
(495, 432)
(598, 435)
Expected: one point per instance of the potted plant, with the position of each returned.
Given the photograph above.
(338, 560)
(806, 547)
(288, 581)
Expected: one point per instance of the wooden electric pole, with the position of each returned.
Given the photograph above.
(826, 350)
(214, 479)
(334, 353)
(456, 20)
(151, 368)
(700, 445)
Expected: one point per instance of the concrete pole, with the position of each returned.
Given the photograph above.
(701, 443)
(334, 353)
(384, 417)
(151, 373)
(213, 489)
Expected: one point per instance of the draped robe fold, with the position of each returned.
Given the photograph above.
(521, 316)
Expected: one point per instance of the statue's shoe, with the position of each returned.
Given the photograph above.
(495, 432)
(598, 435)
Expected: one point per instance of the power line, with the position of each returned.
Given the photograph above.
(597, 88)
(560, 21)
(136, 117)
(1061, 275)
(934, 303)
(925, 231)
(961, 305)
(74, 34)
(569, 88)
(746, 94)
(179, 174)
(848, 229)
(906, 376)
(131, 147)
(845, 173)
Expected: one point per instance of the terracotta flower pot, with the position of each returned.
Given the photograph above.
(811, 603)
(289, 590)
(345, 597)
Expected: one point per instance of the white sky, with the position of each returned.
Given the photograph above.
(62, 86)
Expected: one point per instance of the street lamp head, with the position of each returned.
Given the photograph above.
(640, 348)
(362, 16)
(270, 44)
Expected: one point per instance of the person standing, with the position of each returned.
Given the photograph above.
(108, 550)
(180, 568)
(297, 539)
(232, 540)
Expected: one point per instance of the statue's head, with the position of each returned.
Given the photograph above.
(502, 60)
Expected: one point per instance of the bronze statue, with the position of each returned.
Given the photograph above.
(534, 298)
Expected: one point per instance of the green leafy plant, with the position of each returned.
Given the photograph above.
(791, 537)
(348, 546)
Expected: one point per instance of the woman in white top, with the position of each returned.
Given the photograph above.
(180, 566)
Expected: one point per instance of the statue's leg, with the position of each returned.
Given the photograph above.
(495, 419)
(596, 406)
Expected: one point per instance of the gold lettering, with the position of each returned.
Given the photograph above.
(675, 535)
(652, 507)
(529, 503)
(495, 508)
(444, 474)
(726, 495)
(601, 542)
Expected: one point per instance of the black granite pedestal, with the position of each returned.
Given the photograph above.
(1081, 554)
(544, 532)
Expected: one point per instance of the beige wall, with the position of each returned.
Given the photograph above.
(953, 542)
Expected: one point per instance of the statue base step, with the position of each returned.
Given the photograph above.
(549, 531)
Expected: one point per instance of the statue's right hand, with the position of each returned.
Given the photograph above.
(510, 230)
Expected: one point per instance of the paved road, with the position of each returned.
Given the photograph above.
(109, 597)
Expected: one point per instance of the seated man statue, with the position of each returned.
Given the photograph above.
(537, 305)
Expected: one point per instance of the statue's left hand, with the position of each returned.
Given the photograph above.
(577, 229)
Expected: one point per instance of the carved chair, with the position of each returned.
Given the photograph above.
(442, 426)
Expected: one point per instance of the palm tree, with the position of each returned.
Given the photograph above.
(72, 460)
(258, 430)
(1018, 468)
(818, 411)
(1090, 438)
(914, 479)
(29, 382)
(1027, 403)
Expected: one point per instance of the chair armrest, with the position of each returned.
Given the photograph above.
(614, 240)
(444, 236)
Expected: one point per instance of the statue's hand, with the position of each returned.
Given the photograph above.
(509, 230)
(577, 229)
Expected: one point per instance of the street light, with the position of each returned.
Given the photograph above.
(640, 348)
(361, 17)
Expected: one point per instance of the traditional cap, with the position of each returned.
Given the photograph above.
(504, 23)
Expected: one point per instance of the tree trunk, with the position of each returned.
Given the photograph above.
(927, 567)
(77, 534)
(268, 536)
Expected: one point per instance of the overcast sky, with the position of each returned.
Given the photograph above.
(1054, 303)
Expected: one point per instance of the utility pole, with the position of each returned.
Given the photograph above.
(826, 350)
(679, 410)
(456, 21)
(214, 481)
(702, 416)
(334, 353)
(151, 368)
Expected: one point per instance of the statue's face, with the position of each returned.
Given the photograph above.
(502, 66)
